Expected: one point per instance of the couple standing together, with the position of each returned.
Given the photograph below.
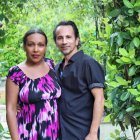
(61, 103)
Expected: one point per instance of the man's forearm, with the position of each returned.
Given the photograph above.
(98, 109)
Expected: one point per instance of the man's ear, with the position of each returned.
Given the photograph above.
(77, 41)
(45, 51)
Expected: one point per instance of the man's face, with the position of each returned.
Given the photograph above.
(66, 40)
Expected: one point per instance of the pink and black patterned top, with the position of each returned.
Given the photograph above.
(38, 118)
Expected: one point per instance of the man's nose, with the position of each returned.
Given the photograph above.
(64, 41)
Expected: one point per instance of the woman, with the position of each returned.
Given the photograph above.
(33, 85)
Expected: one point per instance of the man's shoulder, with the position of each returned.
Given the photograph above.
(89, 61)
(87, 58)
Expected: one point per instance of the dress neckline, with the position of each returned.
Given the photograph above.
(28, 77)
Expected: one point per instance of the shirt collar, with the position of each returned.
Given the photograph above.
(74, 58)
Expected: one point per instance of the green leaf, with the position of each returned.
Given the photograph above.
(131, 53)
(124, 96)
(107, 118)
(138, 86)
(132, 71)
(137, 63)
(126, 23)
(134, 91)
(121, 115)
(120, 38)
(112, 136)
(123, 52)
(2, 16)
(121, 81)
(138, 99)
(119, 61)
(126, 59)
(114, 84)
(130, 109)
(7, 135)
(108, 103)
(115, 13)
(2, 33)
(111, 66)
(117, 132)
(136, 42)
(130, 11)
(137, 114)
(137, 4)
(128, 4)
(1, 128)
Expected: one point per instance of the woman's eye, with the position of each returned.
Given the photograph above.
(30, 44)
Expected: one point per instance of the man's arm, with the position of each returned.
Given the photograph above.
(97, 113)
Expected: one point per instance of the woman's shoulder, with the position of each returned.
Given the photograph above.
(14, 70)
(50, 62)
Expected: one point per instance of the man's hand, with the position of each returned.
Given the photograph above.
(91, 137)
(18, 108)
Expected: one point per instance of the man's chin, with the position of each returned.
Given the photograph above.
(65, 53)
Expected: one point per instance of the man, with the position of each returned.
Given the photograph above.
(82, 80)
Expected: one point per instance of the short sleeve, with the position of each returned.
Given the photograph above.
(14, 74)
(50, 63)
(94, 74)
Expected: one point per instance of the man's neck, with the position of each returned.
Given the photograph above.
(68, 57)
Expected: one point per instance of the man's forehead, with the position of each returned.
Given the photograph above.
(64, 27)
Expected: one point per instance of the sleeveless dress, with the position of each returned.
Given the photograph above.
(38, 117)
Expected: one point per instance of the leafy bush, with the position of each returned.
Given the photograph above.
(4, 133)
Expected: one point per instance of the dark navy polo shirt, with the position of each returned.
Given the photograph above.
(76, 103)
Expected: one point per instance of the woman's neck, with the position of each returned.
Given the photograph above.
(31, 64)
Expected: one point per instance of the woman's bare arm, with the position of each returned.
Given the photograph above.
(11, 108)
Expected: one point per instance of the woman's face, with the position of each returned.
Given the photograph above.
(35, 48)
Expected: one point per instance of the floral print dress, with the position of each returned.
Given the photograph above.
(38, 117)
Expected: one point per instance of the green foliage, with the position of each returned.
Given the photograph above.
(4, 133)
(123, 92)
(119, 135)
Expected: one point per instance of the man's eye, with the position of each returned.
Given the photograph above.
(68, 36)
(41, 45)
(59, 38)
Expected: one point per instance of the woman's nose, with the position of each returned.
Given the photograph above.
(35, 48)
